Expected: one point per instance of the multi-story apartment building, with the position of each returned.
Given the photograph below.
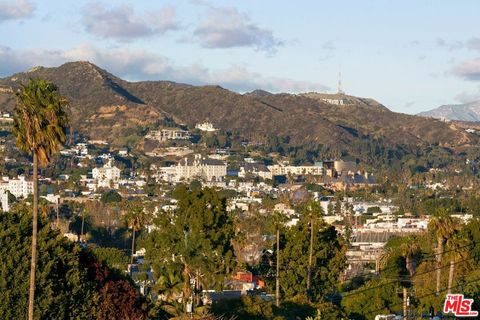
(197, 168)
(106, 175)
(19, 187)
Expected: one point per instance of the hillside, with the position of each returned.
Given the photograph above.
(104, 106)
(461, 112)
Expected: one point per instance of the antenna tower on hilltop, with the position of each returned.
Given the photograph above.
(339, 88)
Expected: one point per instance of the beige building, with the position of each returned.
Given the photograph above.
(168, 134)
(197, 168)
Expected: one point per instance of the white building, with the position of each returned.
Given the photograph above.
(206, 126)
(55, 199)
(123, 152)
(278, 170)
(168, 134)
(106, 175)
(19, 187)
(255, 169)
(189, 169)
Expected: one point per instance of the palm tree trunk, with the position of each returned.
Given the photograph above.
(81, 229)
(450, 276)
(33, 263)
(310, 257)
(197, 288)
(133, 246)
(277, 275)
(186, 286)
(439, 262)
(409, 263)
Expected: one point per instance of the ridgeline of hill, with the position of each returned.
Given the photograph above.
(104, 106)
(467, 112)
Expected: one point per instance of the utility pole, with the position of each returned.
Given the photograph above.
(277, 275)
(450, 277)
(405, 297)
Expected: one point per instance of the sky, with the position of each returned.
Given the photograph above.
(410, 55)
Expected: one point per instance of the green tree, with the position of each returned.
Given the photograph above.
(377, 296)
(330, 208)
(112, 257)
(406, 247)
(111, 196)
(40, 124)
(195, 240)
(328, 259)
(71, 283)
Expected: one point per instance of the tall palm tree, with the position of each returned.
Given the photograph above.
(458, 249)
(409, 249)
(443, 226)
(40, 125)
(137, 217)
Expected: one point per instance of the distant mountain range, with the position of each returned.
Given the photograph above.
(461, 112)
(104, 106)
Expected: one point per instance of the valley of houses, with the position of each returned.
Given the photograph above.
(252, 182)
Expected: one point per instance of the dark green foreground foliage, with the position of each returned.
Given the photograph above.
(71, 283)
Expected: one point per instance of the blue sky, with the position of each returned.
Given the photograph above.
(409, 55)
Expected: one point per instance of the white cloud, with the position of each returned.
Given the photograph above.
(12, 10)
(145, 65)
(121, 23)
(468, 70)
(226, 27)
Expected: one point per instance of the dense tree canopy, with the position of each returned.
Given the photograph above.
(192, 242)
(328, 260)
(71, 282)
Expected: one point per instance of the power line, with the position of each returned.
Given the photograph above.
(423, 296)
(365, 274)
(405, 280)
(284, 268)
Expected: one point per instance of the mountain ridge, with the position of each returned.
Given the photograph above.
(469, 112)
(104, 106)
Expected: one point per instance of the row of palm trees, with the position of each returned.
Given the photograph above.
(444, 228)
